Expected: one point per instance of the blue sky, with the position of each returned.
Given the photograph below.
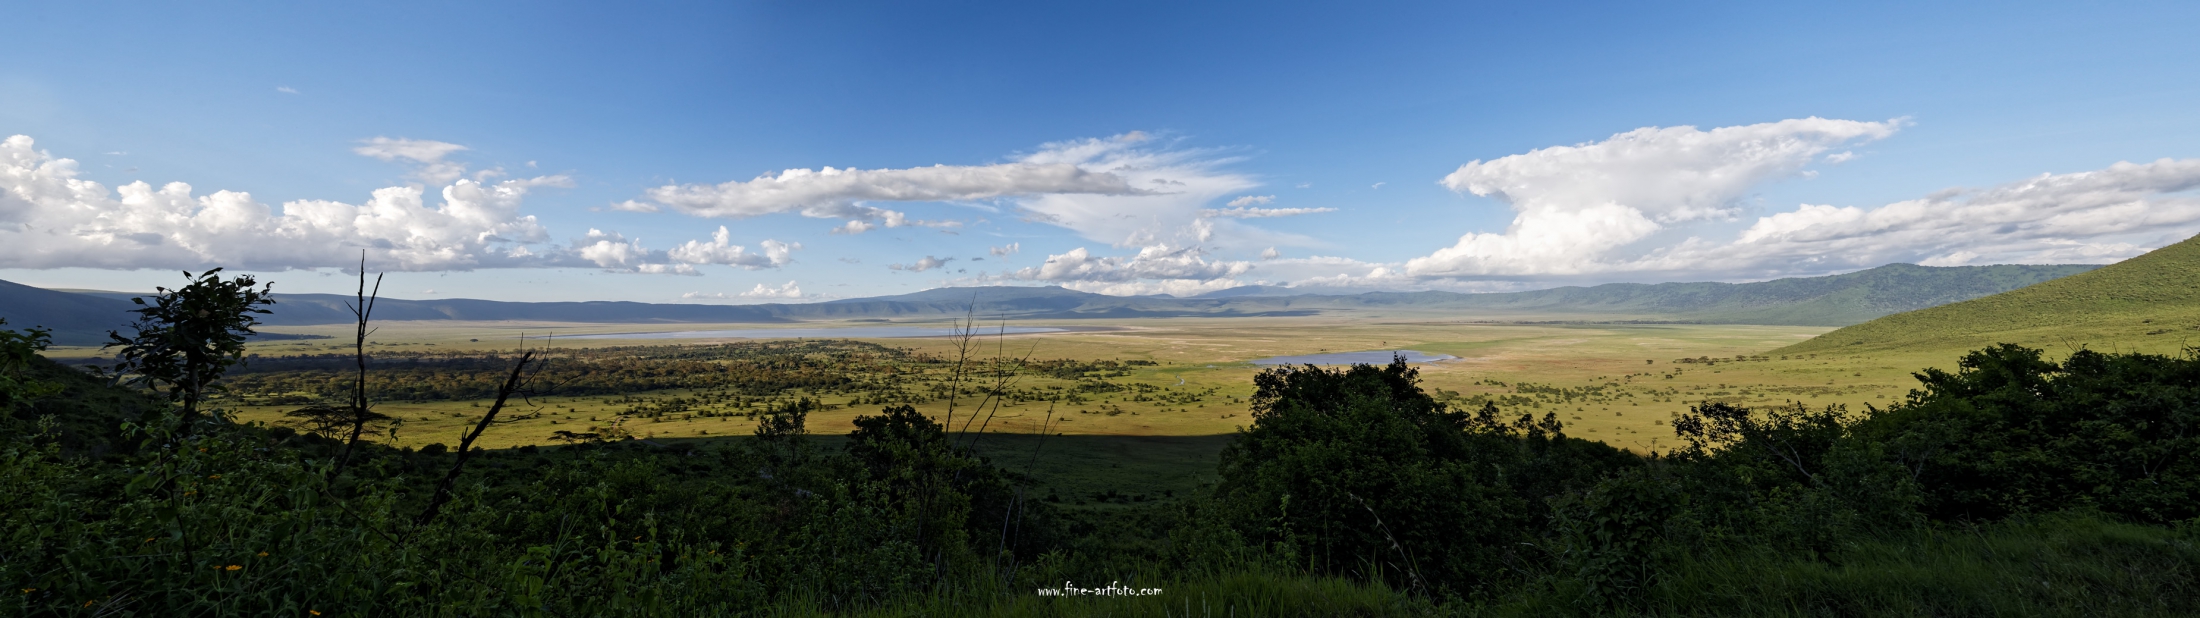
(564, 151)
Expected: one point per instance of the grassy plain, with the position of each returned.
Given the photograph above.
(1619, 383)
(1635, 365)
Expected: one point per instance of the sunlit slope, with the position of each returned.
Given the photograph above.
(2150, 302)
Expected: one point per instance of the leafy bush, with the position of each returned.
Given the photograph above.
(2010, 433)
(1360, 472)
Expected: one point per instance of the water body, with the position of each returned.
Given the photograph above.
(862, 332)
(1375, 357)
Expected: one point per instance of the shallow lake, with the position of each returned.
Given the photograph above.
(1376, 357)
(864, 332)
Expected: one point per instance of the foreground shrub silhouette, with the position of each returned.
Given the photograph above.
(1358, 472)
(2010, 432)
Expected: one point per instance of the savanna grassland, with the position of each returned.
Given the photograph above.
(1140, 408)
(1618, 383)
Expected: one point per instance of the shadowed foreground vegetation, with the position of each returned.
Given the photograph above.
(2014, 486)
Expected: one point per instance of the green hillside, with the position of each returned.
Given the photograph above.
(1837, 300)
(2150, 302)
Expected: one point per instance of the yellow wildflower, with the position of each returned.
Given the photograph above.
(215, 477)
(313, 612)
(29, 590)
(232, 567)
(263, 554)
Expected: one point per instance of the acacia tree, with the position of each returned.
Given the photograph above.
(188, 337)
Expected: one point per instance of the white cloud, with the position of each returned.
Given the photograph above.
(1632, 204)
(1006, 251)
(1252, 200)
(1173, 287)
(1158, 262)
(426, 157)
(2096, 216)
(1315, 270)
(1270, 254)
(884, 218)
(1260, 213)
(615, 252)
(1579, 206)
(1184, 183)
(928, 263)
(720, 250)
(286, 90)
(1129, 190)
(1377, 186)
(785, 291)
(790, 291)
(836, 193)
(49, 218)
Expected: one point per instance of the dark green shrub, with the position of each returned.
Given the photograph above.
(1359, 472)
(2010, 432)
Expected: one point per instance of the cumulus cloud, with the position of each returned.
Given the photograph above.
(426, 156)
(838, 193)
(1270, 253)
(1160, 268)
(790, 291)
(286, 90)
(2095, 216)
(1261, 213)
(873, 218)
(1006, 251)
(721, 250)
(928, 263)
(1128, 190)
(785, 291)
(1637, 203)
(615, 252)
(50, 218)
(1579, 206)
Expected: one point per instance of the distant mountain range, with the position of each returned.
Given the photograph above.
(82, 317)
(2150, 302)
